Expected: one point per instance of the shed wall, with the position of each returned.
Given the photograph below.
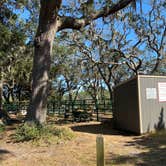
(153, 112)
(126, 106)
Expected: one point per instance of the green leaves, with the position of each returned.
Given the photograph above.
(45, 133)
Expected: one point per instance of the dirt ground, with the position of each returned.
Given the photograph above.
(120, 149)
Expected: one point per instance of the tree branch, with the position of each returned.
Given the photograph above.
(75, 23)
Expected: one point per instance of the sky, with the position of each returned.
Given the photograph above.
(24, 14)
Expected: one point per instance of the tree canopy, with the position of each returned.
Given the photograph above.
(78, 45)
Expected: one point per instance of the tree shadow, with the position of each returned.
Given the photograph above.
(3, 154)
(151, 148)
(161, 123)
(105, 127)
(153, 152)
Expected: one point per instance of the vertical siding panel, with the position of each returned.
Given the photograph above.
(151, 108)
(126, 106)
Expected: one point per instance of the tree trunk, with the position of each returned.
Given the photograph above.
(3, 114)
(1, 89)
(110, 90)
(42, 60)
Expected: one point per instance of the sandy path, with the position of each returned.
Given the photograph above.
(79, 152)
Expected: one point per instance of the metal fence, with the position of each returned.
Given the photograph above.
(86, 105)
(60, 107)
(15, 107)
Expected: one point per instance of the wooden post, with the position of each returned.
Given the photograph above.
(100, 150)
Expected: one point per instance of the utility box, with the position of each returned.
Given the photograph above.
(140, 104)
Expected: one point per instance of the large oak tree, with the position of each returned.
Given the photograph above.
(51, 22)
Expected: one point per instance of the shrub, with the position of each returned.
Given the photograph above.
(45, 134)
(64, 133)
(2, 128)
(26, 132)
(159, 135)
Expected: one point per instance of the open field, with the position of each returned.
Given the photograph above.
(120, 148)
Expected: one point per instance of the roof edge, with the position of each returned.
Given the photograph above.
(138, 76)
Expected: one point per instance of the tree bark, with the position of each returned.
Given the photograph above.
(3, 115)
(1, 90)
(42, 59)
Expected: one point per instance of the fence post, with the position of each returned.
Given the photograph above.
(100, 150)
